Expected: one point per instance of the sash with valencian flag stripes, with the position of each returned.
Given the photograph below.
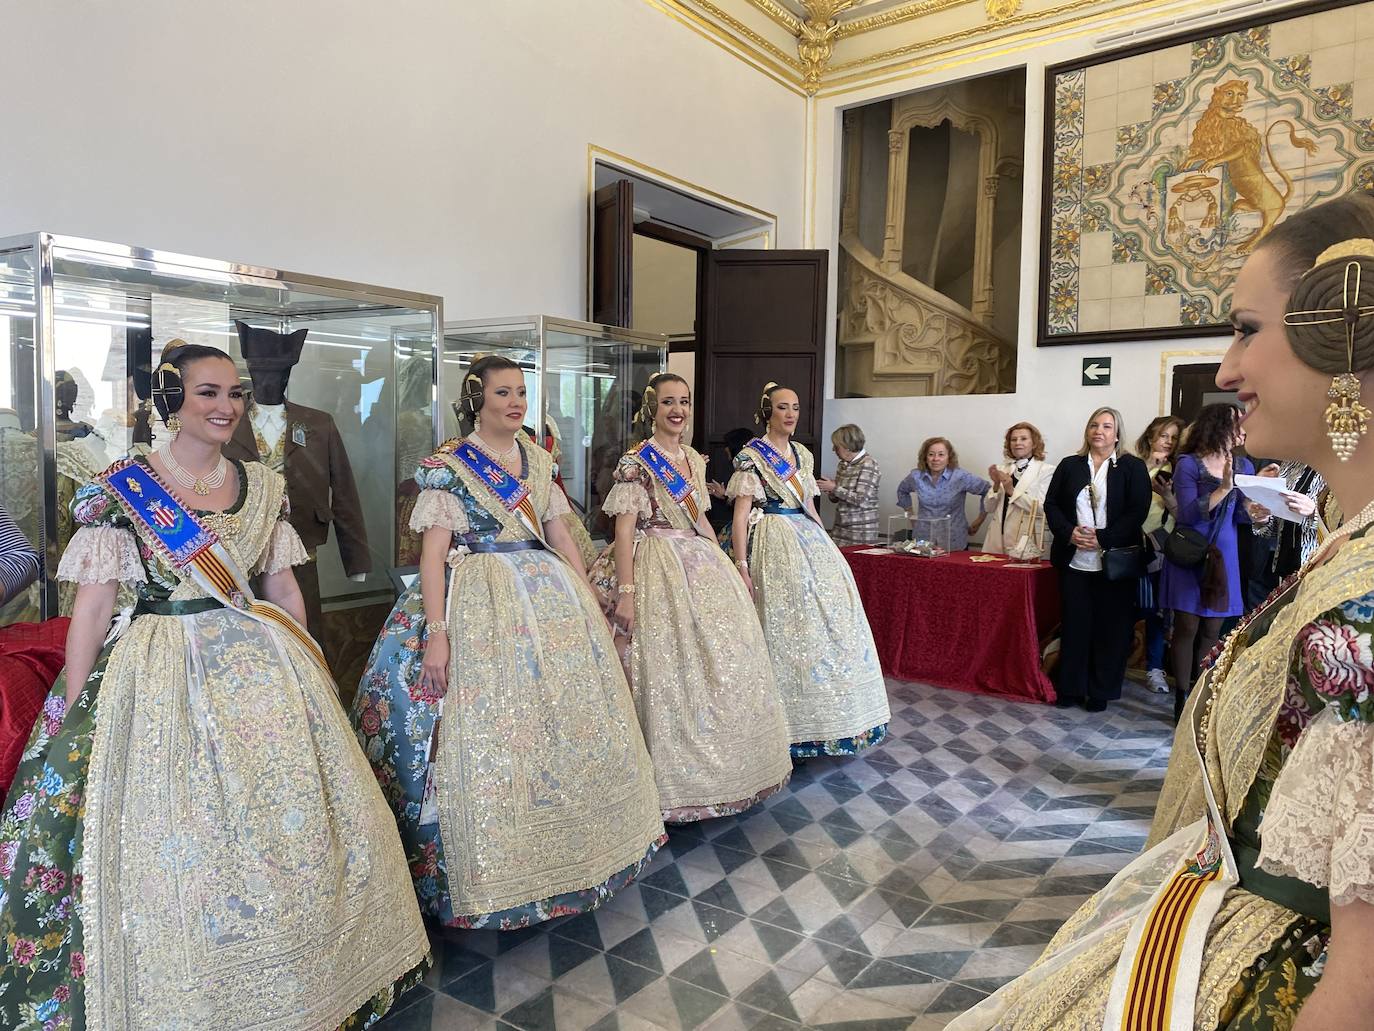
(194, 549)
(509, 490)
(1156, 981)
(679, 488)
(782, 468)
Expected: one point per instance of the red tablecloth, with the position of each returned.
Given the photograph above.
(953, 622)
(31, 656)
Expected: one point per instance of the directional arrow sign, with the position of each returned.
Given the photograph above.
(1097, 372)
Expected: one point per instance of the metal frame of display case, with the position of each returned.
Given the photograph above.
(147, 259)
(543, 325)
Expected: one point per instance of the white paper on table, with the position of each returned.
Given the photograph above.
(1269, 491)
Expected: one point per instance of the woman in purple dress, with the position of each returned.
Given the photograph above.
(1208, 502)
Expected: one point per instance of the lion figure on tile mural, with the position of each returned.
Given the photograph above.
(1223, 136)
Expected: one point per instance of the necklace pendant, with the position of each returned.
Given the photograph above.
(201, 488)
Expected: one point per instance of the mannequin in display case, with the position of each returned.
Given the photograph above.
(304, 445)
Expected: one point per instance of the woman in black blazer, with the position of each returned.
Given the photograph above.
(1096, 501)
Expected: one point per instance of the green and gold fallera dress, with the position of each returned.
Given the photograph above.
(200, 842)
(1266, 820)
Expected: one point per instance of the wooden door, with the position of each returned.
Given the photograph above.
(1195, 386)
(762, 317)
(613, 230)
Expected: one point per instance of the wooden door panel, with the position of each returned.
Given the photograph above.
(763, 318)
(613, 231)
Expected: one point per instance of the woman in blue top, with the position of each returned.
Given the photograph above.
(940, 487)
(1208, 502)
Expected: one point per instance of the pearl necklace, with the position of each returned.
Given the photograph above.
(201, 485)
(508, 459)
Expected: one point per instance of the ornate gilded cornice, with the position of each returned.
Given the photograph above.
(779, 14)
(816, 41)
(896, 16)
(745, 32)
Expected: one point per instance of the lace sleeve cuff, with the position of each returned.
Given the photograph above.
(284, 550)
(1319, 824)
(628, 498)
(558, 504)
(99, 554)
(745, 482)
(438, 508)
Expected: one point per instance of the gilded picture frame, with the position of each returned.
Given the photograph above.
(1167, 162)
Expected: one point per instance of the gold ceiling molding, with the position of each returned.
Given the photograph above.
(779, 14)
(787, 73)
(896, 16)
(744, 32)
(816, 42)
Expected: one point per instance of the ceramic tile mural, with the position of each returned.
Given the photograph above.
(1167, 167)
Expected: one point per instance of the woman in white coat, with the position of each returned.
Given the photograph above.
(1015, 505)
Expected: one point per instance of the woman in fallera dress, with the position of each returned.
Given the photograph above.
(822, 649)
(493, 708)
(1253, 907)
(194, 838)
(686, 626)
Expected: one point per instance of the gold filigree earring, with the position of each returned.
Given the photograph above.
(174, 424)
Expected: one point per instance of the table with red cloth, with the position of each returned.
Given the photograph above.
(960, 621)
(31, 656)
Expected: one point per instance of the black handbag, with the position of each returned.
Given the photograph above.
(1126, 563)
(1187, 548)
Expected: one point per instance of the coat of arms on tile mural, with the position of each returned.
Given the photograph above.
(1167, 166)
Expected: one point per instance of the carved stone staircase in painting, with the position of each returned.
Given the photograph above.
(899, 336)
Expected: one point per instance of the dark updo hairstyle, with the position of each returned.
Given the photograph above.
(470, 398)
(648, 405)
(169, 391)
(1297, 243)
(1213, 432)
(764, 412)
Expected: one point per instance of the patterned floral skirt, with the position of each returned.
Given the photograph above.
(542, 802)
(702, 680)
(822, 649)
(43, 945)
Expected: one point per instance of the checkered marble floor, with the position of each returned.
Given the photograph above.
(890, 891)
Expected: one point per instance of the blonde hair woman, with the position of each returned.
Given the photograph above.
(1016, 502)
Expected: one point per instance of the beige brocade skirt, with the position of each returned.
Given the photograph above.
(234, 838)
(702, 680)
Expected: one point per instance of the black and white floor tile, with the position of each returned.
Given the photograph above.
(890, 891)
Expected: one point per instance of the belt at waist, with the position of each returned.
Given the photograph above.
(189, 607)
(773, 508)
(488, 547)
(668, 531)
(1299, 896)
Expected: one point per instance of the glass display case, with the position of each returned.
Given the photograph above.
(81, 325)
(923, 536)
(584, 382)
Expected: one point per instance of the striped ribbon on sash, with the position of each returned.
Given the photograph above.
(194, 550)
(679, 488)
(1156, 980)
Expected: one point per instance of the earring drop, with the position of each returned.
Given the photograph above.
(174, 424)
(1346, 419)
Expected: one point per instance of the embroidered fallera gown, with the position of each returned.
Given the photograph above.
(824, 659)
(543, 801)
(200, 844)
(1280, 733)
(697, 661)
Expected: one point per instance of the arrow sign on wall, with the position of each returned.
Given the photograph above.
(1097, 372)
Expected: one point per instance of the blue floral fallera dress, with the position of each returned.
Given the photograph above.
(542, 703)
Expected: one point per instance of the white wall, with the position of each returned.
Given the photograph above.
(433, 145)
(1049, 384)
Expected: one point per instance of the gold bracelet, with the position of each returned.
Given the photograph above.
(626, 588)
(437, 626)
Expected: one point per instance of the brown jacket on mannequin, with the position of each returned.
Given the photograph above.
(319, 483)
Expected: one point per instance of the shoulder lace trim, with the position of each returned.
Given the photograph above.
(1319, 824)
(101, 553)
(628, 498)
(438, 508)
(746, 482)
